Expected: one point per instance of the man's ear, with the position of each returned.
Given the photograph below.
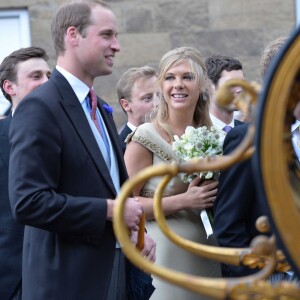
(72, 35)
(125, 104)
(9, 87)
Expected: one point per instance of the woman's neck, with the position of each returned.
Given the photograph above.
(179, 124)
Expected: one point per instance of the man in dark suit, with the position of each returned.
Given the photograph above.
(20, 72)
(66, 168)
(136, 90)
(219, 70)
(237, 207)
(237, 204)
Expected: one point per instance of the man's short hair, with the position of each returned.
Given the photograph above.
(8, 67)
(216, 64)
(127, 80)
(75, 13)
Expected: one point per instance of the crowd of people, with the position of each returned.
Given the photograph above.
(62, 163)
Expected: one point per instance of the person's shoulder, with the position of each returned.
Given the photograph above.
(238, 122)
(239, 130)
(4, 125)
(125, 131)
(144, 128)
(144, 132)
(234, 137)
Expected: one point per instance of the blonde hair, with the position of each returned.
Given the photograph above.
(270, 52)
(128, 79)
(197, 63)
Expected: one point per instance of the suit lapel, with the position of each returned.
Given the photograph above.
(113, 134)
(76, 115)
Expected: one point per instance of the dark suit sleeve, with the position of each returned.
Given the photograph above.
(123, 135)
(233, 203)
(49, 170)
(11, 233)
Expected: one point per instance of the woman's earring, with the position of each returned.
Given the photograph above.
(204, 96)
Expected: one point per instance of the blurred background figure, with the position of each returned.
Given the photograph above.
(266, 61)
(237, 205)
(20, 72)
(268, 54)
(136, 91)
(221, 69)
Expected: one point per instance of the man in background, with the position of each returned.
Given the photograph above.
(237, 205)
(267, 55)
(20, 73)
(136, 89)
(221, 69)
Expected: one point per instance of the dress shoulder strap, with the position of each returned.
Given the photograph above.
(147, 135)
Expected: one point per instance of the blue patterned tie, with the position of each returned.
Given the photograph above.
(227, 128)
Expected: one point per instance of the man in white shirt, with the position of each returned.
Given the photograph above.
(64, 185)
(296, 131)
(21, 72)
(136, 89)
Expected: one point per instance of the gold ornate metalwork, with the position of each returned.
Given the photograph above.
(282, 185)
(282, 189)
(215, 288)
(244, 102)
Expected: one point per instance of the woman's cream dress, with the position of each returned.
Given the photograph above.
(186, 223)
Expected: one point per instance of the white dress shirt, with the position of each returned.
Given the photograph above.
(296, 137)
(220, 124)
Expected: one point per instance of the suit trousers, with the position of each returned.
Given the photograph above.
(117, 286)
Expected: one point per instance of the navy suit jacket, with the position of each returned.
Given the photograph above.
(123, 135)
(237, 206)
(237, 122)
(58, 186)
(11, 233)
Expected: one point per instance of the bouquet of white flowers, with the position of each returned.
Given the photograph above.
(199, 143)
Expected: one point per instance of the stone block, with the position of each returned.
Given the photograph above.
(142, 49)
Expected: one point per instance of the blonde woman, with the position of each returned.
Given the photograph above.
(184, 101)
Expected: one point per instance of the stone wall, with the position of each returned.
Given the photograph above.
(149, 28)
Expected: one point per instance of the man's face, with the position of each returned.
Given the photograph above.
(228, 75)
(30, 74)
(297, 111)
(96, 47)
(141, 102)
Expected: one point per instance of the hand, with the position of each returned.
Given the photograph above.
(149, 250)
(201, 194)
(132, 214)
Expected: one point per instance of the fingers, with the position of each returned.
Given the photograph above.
(149, 250)
(151, 255)
(196, 181)
(211, 193)
(132, 214)
(210, 202)
(135, 227)
(209, 185)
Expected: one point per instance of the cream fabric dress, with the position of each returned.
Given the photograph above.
(186, 223)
